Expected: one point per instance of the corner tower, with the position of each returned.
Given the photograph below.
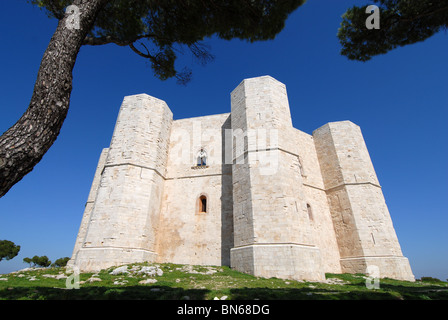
(363, 226)
(120, 226)
(273, 237)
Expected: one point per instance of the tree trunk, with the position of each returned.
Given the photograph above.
(23, 145)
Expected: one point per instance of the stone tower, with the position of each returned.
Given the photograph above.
(361, 219)
(121, 216)
(262, 197)
(272, 230)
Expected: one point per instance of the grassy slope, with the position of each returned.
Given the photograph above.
(182, 282)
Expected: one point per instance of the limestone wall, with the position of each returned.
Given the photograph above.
(364, 229)
(89, 206)
(279, 202)
(271, 222)
(124, 219)
(186, 235)
(321, 222)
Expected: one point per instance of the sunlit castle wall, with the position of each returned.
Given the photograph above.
(244, 189)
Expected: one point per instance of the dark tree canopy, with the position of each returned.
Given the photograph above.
(61, 262)
(8, 250)
(38, 261)
(402, 22)
(158, 30)
(154, 29)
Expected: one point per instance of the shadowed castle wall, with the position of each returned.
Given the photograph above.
(187, 235)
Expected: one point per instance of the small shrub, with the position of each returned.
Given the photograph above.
(431, 280)
(61, 262)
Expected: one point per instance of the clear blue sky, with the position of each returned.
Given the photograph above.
(400, 100)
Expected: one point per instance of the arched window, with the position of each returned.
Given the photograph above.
(310, 211)
(202, 158)
(202, 204)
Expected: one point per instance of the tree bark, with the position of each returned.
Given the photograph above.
(24, 144)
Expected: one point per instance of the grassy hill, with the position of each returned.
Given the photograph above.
(183, 282)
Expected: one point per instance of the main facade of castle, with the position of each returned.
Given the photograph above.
(244, 189)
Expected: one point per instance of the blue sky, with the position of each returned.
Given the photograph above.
(400, 100)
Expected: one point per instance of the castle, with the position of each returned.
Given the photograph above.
(244, 189)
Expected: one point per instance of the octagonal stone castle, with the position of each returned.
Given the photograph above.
(244, 189)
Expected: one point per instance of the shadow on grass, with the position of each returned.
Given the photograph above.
(103, 293)
(307, 294)
(345, 292)
(169, 293)
(418, 293)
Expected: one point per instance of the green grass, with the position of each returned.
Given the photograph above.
(180, 282)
